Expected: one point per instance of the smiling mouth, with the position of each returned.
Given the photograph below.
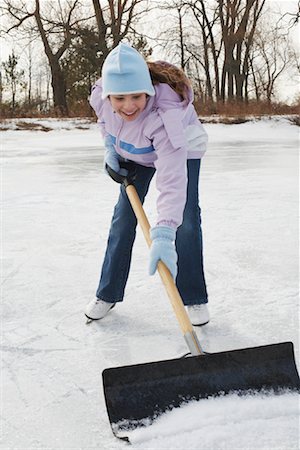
(129, 114)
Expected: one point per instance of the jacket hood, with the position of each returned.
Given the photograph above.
(166, 98)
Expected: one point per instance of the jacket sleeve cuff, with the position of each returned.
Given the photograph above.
(168, 223)
(162, 232)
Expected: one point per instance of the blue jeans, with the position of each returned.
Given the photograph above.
(190, 280)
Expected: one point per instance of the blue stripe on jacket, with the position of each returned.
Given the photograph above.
(130, 148)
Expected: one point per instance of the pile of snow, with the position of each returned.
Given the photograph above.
(232, 422)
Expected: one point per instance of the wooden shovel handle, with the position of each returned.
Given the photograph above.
(172, 291)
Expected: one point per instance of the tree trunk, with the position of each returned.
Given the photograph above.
(58, 79)
(13, 101)
(102, 30)
(223, 84)
(207, 73)
(230, 70)
(236, 17)
(59, 89)
(182, 58)
(1, 87)
(29, 95)
(212, 48)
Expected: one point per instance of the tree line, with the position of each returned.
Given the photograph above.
(230, 49)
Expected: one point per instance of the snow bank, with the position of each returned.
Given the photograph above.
(49, 124)
(226, 423)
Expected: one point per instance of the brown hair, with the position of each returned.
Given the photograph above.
(163, 72)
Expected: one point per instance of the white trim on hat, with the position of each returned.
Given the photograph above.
(143, 91)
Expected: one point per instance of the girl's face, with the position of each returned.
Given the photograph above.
(128, 106)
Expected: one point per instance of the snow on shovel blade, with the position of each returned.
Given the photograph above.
(137, 394)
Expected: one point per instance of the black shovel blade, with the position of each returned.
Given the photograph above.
(143, 391)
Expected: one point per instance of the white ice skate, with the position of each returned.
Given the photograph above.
(199, 314)
(97, 309)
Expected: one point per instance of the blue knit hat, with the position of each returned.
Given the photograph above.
(125, 72)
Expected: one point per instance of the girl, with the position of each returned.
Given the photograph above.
(146, 115)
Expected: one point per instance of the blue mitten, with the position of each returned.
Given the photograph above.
(163, 248)
(112, 159)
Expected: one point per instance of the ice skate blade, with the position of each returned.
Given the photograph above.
(89, 320)
(200, 324)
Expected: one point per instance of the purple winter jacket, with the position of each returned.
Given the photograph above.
(164, 135)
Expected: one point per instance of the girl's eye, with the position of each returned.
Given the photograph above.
(136, 97)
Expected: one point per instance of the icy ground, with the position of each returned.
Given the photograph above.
(57, 206)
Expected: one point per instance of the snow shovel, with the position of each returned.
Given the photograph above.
(135, 395)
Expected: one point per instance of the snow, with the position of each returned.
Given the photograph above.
(224, 420)
(57, 206)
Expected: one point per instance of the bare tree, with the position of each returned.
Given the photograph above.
(173, 39)
(274, 56)
(55, 25)
(219, 43)
(206, 17)
(294, 16)
(238, 20)
(59, 23)
(115, 20)
(28, 50)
